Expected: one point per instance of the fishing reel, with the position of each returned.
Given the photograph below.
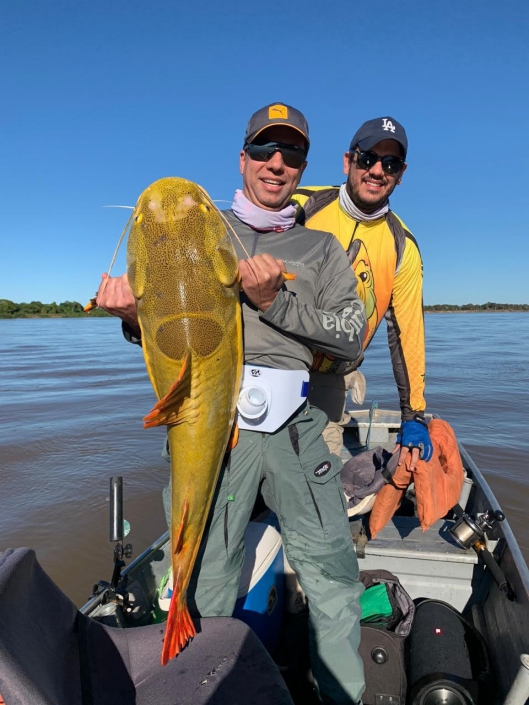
(468, 530)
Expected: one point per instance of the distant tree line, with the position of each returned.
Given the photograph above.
(73, 309)
(489, 306)
(36, 309)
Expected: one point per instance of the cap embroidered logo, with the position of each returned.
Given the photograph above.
(278, 111)
(388, 125)
(322, 469)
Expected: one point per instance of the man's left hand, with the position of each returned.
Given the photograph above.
(414, 436)
(261, 279)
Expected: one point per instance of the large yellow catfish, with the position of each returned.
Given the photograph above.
(182, 270)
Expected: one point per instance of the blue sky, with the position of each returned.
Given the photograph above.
(99, 99)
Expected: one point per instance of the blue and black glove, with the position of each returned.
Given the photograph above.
(414, 434)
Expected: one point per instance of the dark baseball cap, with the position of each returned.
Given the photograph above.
(374, 131)
(276, 114)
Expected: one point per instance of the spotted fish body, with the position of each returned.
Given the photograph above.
(182, 269)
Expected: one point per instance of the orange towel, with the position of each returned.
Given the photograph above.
(437, 483)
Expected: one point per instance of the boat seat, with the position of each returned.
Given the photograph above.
(51, 653)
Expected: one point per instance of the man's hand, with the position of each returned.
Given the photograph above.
(261, 279)
(115, 297)
(414, 436)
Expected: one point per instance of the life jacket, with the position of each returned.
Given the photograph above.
(438, 482)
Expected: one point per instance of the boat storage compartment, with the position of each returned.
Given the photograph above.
(428, 564)
(261, 589)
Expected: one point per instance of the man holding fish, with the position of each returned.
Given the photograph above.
(298, 294)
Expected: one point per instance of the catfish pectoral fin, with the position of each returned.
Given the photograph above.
(234, 438)
(167, 411)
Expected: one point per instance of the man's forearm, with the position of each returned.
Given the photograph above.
(339, 333)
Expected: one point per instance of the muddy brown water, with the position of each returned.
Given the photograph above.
(73, 394)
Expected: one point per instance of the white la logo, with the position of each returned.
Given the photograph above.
(388, 125)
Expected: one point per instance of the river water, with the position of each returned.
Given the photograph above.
(73, 394)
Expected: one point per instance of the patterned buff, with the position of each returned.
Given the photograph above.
(349, 207)
(260, 219)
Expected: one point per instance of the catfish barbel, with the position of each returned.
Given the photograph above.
(183, 272)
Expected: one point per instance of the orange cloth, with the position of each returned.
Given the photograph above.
(437, 483)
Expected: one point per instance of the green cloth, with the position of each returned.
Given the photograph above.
(375, 604)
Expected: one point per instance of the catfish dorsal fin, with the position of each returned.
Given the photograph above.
(166, 411)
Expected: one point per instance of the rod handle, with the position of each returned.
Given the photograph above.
(116, 508)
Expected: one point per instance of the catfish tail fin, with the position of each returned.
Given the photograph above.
(180, 627)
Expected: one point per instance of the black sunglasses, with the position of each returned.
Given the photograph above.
(390, 164)
(292, 156)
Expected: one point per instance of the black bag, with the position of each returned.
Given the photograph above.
(447, 653)
(382, 647)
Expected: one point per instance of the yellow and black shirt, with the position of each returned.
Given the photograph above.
(387, 263)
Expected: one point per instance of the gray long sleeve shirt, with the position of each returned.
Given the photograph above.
(318, 310)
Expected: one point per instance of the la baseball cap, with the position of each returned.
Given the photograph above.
(374, 131)
(276, 114)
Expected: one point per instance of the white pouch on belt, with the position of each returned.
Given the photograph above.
(269, 397)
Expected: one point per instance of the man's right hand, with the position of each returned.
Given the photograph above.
(115, 297)
(262, 276)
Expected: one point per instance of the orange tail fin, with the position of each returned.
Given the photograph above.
(180, 628)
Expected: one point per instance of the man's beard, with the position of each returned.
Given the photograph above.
(362, 204)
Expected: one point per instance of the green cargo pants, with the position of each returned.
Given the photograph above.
(300, 482)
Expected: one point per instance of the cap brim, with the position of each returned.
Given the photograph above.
(273, 124)
(370, 142)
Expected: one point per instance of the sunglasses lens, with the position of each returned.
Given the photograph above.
(292, 156)
(366, 160)
(392, 165)
(258, 152)
(292, 159)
